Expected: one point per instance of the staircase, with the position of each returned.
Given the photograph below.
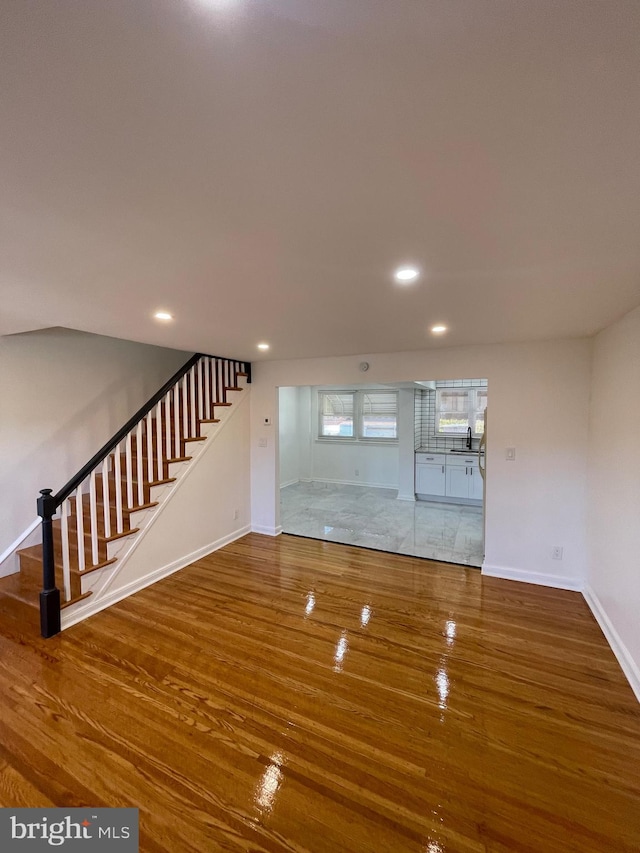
(101, 510)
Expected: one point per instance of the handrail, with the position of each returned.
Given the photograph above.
(104, 451)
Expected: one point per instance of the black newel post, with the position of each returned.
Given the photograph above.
(50, 595)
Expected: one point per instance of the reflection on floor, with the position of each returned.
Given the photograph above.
(374, 518)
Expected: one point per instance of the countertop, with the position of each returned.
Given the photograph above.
(447, 450)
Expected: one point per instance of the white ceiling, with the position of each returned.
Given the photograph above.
(259, 167)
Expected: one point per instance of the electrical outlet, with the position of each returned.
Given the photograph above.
(236, 514)
(510, 454)
(262, 442)
(357, 472)
(556, 552)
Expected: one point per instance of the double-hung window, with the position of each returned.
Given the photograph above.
(358, 415)
(457, 409)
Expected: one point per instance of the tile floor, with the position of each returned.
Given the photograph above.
(374, 518)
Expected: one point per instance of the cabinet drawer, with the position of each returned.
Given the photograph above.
(460, 460)
(430, 458)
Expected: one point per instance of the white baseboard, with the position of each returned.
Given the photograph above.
(266, 531)
(289, 483)
(627, 663)
(556, 582)
(355, 483)
(80, 613)
(443, 499)
(409, 497)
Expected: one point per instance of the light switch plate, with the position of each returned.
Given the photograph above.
(511, 454)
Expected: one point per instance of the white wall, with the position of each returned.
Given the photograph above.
(289, 434)
(358, 463)
(539, 405)
(614, 491)
(62, 395)
(406, 444)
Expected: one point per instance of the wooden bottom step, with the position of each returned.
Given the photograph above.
(25, 590)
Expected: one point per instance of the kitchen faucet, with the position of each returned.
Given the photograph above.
(469, 438)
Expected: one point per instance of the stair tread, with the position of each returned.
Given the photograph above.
(19, 588)
(142, 506)
(116, 536)
(27, 591)
(89, 569)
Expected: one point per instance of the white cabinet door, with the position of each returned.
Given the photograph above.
(457, 481)
(475, 484)
(430, 479)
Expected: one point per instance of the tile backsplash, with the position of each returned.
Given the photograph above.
(417, 420)
(425, 417)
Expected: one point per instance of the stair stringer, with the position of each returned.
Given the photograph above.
(195, 515)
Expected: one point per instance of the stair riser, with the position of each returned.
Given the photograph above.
(31, 569)
(73, 551)
(154, 451)
(73, 543)
(126, 510)
(146, 489)
(172, 430)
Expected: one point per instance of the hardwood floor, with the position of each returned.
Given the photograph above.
(296, 695)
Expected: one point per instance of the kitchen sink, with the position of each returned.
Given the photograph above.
(462, 451)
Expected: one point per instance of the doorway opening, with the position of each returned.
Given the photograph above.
(395, 467)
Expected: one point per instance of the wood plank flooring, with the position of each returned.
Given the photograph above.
(296, 695)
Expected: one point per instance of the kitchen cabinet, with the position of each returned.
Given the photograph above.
(457, 481)
(430, 474)
(449, 475)
(462, 474)
(476, 485)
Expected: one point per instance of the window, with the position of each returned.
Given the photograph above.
(457, 409)
(379, 414)
(358, 415)
(336, 414)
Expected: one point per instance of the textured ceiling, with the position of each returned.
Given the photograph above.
(259, 167)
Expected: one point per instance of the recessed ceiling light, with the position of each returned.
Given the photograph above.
(163, 315)
(263, 346)
(438, 330)
(405, 275)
